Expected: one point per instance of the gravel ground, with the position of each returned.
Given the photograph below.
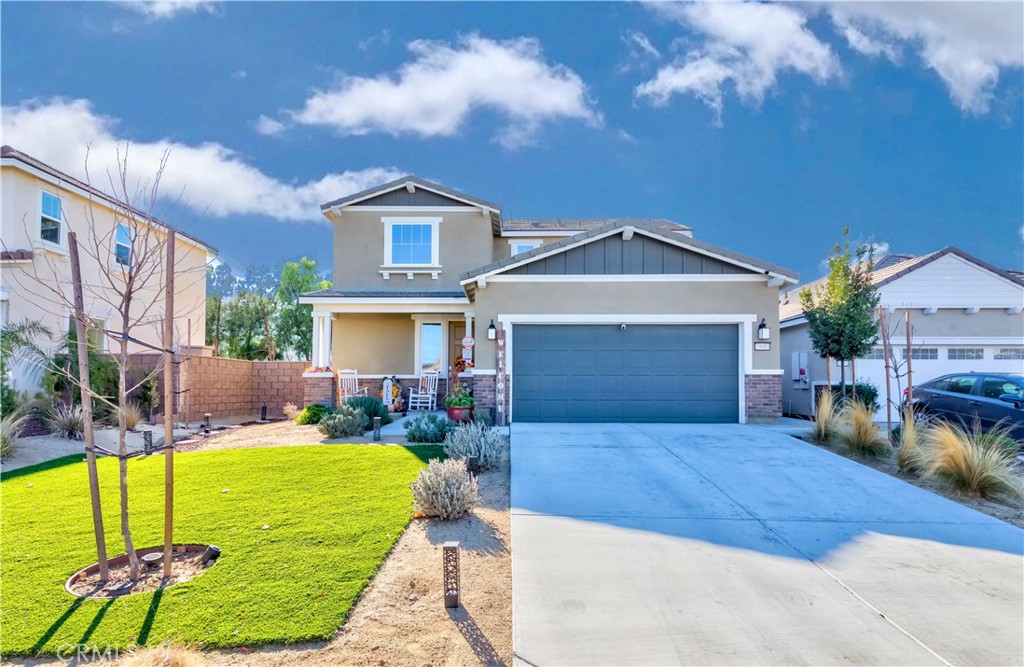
(273, 434)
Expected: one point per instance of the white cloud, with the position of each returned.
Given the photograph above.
(211, 178)
(639, 44)
(267, 126)
(746, 45)
(165, 9)
(967, 44)
(434, 94)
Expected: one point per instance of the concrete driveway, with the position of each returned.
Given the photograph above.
(729, 544)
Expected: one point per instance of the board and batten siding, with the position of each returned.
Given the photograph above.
(952, 282)
(639, 255)
(402, 198)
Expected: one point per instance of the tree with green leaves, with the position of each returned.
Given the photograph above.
(247, 326)
(840, 312)
(18, 342)
(294, 319)
(221, 284)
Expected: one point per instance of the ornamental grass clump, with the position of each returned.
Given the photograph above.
(132, 415)
(826, 418)
(11, 427)
(67, 421)
(444, 489)
(860, 432)
(164, 655)
(908, 456)
(344, 422)
(474, 440)
(971, 462)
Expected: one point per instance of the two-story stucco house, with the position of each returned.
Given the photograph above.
(40, 205)
(965, 314)
(571, 320)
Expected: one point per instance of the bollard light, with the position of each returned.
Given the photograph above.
(376, 428)
(206, 423)
(451, 574)
(263, 414)
(147, 441)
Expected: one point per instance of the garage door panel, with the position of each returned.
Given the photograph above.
(643, 373)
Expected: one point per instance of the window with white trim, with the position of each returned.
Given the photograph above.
(1010, 353)
(922, 353)
(875, 353)
(965, 353)
(518, 246)
(50, 218)
(411, 241)
(431, 345)
(123, 246)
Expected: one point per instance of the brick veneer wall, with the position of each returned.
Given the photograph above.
(763, 396)
(484, 394)
(319, 391)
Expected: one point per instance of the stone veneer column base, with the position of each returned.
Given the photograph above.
(763, 395)
(318, 388)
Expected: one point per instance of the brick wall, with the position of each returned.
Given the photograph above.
(227, 387)
(763, 396)
(484, 394)
(319, 391)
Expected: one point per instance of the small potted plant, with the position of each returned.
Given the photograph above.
(459, 403)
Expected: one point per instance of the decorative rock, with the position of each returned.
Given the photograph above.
(265, 527)
(225, 490)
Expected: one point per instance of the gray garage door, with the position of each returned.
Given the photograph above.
(643, 373)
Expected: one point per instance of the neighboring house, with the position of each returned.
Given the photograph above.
(965, 316)
(40, 206)
(573, 320)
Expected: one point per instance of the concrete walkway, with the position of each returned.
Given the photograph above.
(729, 544)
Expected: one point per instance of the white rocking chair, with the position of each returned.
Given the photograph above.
(424, 395)
(348, 385)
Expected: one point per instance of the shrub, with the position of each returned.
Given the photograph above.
(10, 433)
(67, 421)
(477, 440)
(826, 419)
(860, 432)
(344, 422)
(371, 407)
(971, 462)
(867, 394)
(132, 415)
(312, 414)
(427, 428)
(907, 437)
(483, 417)
(444, 489)
(290, 411)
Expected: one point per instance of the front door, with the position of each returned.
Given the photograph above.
(456, 332)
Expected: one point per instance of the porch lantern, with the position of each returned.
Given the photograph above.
(492, 331)
(763, 332)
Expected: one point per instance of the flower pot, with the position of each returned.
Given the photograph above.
(459, 414)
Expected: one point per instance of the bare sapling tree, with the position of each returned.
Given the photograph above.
(122, 245)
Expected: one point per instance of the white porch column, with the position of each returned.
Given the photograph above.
(469, 332)
(317, 349)
(326, 339)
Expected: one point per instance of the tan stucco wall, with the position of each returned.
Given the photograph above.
(20, 230)
(695, 298)
(466, 242)
(374, 344)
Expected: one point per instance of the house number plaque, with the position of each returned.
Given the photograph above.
(762, 347)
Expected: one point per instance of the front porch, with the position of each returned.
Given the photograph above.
(396, 336)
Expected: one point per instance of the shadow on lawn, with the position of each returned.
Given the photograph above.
(52, 630)
(475, 637)
(426, 452)
(147, 623)
(95, 621)
(45, 465)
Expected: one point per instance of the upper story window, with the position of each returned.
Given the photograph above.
(50, 218)
(411, 241)
(523, 245)
(123, 246)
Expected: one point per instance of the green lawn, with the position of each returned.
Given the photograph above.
(334, 512)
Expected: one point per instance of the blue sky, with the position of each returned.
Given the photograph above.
(765, 127)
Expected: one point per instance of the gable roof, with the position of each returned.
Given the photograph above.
(404, 181)
(9, 152)
(887, 271)
(540, 226)
(643, 226)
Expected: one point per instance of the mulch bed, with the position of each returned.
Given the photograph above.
(184, 566)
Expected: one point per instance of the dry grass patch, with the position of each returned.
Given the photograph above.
(132, 416)
(908, 456)
(860, 432)
(971, 462)
(165, 655)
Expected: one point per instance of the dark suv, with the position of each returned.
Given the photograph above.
(964, 397)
